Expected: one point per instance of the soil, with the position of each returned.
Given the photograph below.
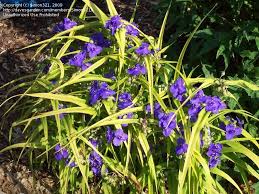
(17, 178)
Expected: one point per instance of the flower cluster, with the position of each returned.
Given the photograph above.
(137, 70)
(178, 89)
(211, 103)
(95, 160)
(96, 163)
(214, 153)
(181, 147)
(64, 25)
(99, 91)
(167, 122)
(62, 153)
(90, 50)
(78, 61)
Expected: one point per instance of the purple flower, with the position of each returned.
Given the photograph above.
(126, 116)
(60, 153)
(178, 89)
(61, 115)
(213, 162)
(99, 92)
(157, 110)
(99, 40)
(231, 130)
(109, 135)
(193, 112)
(119, 137)
(96, 163)
(78, 59)
(148, 108)
(131, 30)
(64, 25)
(92, 49)
(113, 24)
(214, 150)
(104, 91)
(53, 82)
(137, 70)
(214, 104)
(198, 99)
(214, 153)
(181, 147)
(196, 105)
(94, 142)
(168, 123)
(110, 75)
(94, 93)
(124, 100)
(143, 49)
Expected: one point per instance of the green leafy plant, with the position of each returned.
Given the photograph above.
(226, 45)
(110, 114)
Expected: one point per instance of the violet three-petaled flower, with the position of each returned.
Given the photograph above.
(113, 24)
(178, 89)
(143, 50)
(167, 122)
(214, 104)
(214, 153)
(119, 137)
(124, 100)
(64, 25)
(60, 153)
(137, 70)
(231, 130)
(181, 147)
(132, 30)
(92, 49)
(99, 92)
(96, 163)
(78, 59)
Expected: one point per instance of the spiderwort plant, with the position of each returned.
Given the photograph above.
(127, 113)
